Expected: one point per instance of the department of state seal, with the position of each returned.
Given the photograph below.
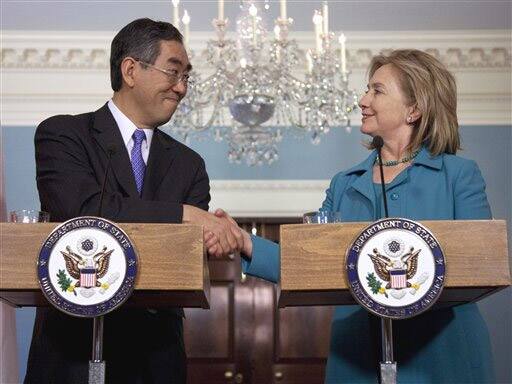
(87, 267)
(396, 268)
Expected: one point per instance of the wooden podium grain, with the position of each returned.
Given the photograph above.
(173, 269)
(313, 261)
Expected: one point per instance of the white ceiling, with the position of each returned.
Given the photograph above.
(358, 15)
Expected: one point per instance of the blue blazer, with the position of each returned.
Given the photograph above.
(448, 345)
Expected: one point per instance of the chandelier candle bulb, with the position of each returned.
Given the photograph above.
(309, 63)
(220, 9)
(283, 9)
(253, 11)
(317, 20)
(176, 13)
(325, 15)
(277, 32)
(343, 53)
(186, 24)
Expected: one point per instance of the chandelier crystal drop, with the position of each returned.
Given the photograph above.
(253, 93)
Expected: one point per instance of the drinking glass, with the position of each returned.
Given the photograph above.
(321, 217)
(29, 216)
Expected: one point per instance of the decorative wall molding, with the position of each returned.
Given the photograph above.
(45, 73)
(54, 50)
(78, 50)
(267, 198)
(79, 58)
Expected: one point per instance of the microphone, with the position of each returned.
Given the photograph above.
(387, 365)
(378, 143)
(111, 150)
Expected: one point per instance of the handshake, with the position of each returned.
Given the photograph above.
(222, 235)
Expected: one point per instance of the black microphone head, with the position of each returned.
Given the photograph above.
(377, 142)
(111, 150)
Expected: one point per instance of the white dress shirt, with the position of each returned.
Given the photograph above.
(127, 128)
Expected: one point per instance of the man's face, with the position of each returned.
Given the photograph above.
(156, 95)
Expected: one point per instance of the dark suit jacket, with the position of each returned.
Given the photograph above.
(71, 159)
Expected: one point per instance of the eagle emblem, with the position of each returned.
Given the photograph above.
(86, 266)
(396, 271)
(87, 270)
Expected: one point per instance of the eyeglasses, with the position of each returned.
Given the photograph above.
(173, 76)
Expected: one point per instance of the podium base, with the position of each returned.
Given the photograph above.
(97, 372)
(388, 373)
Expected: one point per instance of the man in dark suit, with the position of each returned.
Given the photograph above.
(152, 178)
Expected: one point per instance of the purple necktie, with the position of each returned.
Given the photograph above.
(138, 165)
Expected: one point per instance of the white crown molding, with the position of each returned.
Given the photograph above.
(45, 73)
(74, 49)
(267, 198)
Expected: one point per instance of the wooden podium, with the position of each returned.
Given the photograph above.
(173, 270)
(313, 261)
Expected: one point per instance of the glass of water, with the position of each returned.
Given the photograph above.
(321, 217)
(29, 216)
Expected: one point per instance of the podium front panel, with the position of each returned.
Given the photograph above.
(172, 264)
(313, 261)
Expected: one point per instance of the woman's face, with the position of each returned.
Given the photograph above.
(383, 106)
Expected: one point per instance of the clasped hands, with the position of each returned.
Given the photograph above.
(222, 235)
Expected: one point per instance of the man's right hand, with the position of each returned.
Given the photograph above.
(247, 241)
(228, 234)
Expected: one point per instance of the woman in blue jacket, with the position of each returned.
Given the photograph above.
(411, 104)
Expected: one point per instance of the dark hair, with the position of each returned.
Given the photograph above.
(141, 40)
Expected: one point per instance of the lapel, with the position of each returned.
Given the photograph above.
(162, 152)
(364, 181)
(107, 135)
(422, 159)
(426, 159)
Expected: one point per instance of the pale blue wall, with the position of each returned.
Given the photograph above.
(490, 146)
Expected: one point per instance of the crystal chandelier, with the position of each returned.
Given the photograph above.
(252, 95)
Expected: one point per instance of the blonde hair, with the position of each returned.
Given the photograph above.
(431, 88)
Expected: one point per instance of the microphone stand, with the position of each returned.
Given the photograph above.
(388, 369)
(97, 366)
